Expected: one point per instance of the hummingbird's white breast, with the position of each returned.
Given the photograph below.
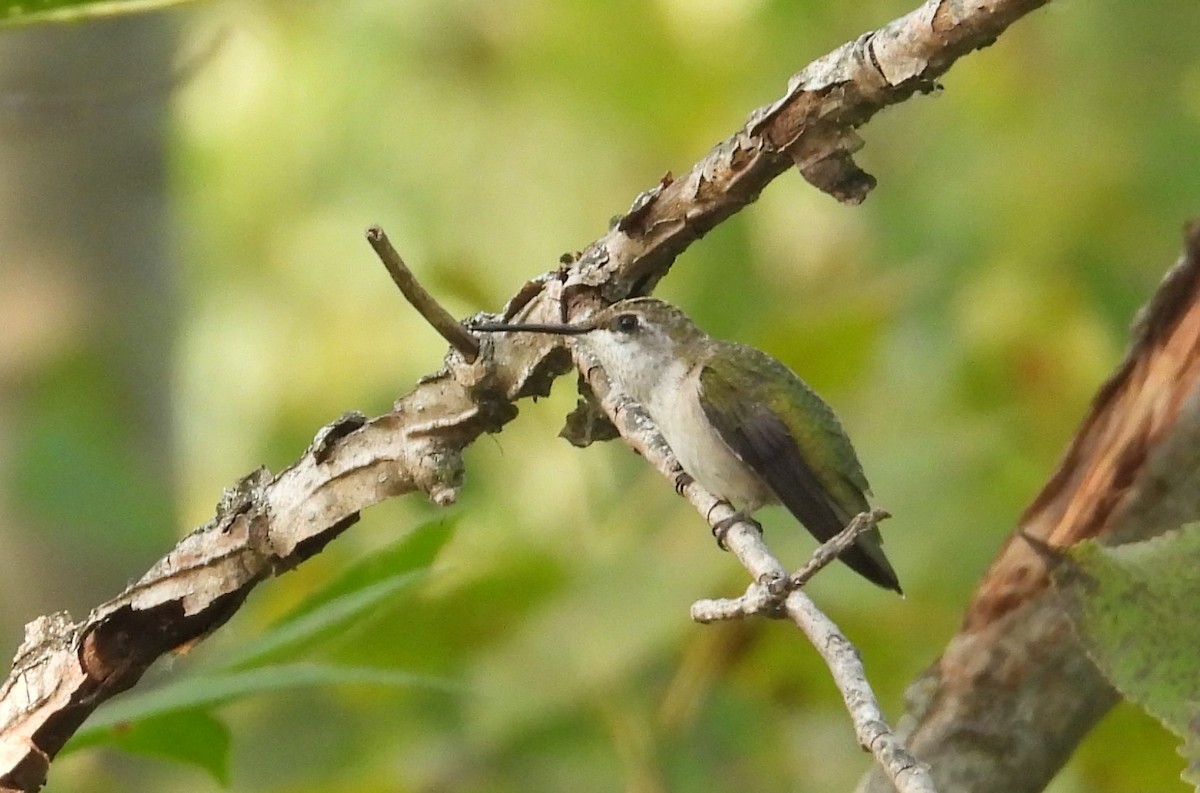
(676, 409)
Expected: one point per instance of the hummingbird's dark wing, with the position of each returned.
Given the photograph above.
(776, 424)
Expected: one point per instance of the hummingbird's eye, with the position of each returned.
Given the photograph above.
(625, 323)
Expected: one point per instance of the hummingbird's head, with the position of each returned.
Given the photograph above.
(637, 341)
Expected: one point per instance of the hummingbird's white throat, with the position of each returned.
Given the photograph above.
(642, 359)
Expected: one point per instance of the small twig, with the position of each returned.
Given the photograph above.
(757, 599)
(834, 546)
(441, 319)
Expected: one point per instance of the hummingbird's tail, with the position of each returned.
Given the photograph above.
(824, 518)
(866, 558)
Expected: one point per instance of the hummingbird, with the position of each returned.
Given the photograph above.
(739, 422)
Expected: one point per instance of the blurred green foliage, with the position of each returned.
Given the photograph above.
(959, 320)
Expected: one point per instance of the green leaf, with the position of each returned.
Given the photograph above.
(360, 590)
(1135, 608)
(298, 631)
(210, 690)
(413, 552)
(193, 737)
(30, 11)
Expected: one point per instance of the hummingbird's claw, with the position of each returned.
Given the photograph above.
(723, 526)
(682, 480)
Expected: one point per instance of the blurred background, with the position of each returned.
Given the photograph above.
(185, 294)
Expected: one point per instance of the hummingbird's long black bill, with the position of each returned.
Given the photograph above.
(559, 330)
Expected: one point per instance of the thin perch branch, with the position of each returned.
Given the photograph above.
(425, 304)
(905, 772)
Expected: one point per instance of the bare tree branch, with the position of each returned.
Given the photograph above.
(265, 525)
(1014, 692)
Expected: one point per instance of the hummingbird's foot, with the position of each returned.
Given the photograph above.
(723, 526)
(682, 480)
